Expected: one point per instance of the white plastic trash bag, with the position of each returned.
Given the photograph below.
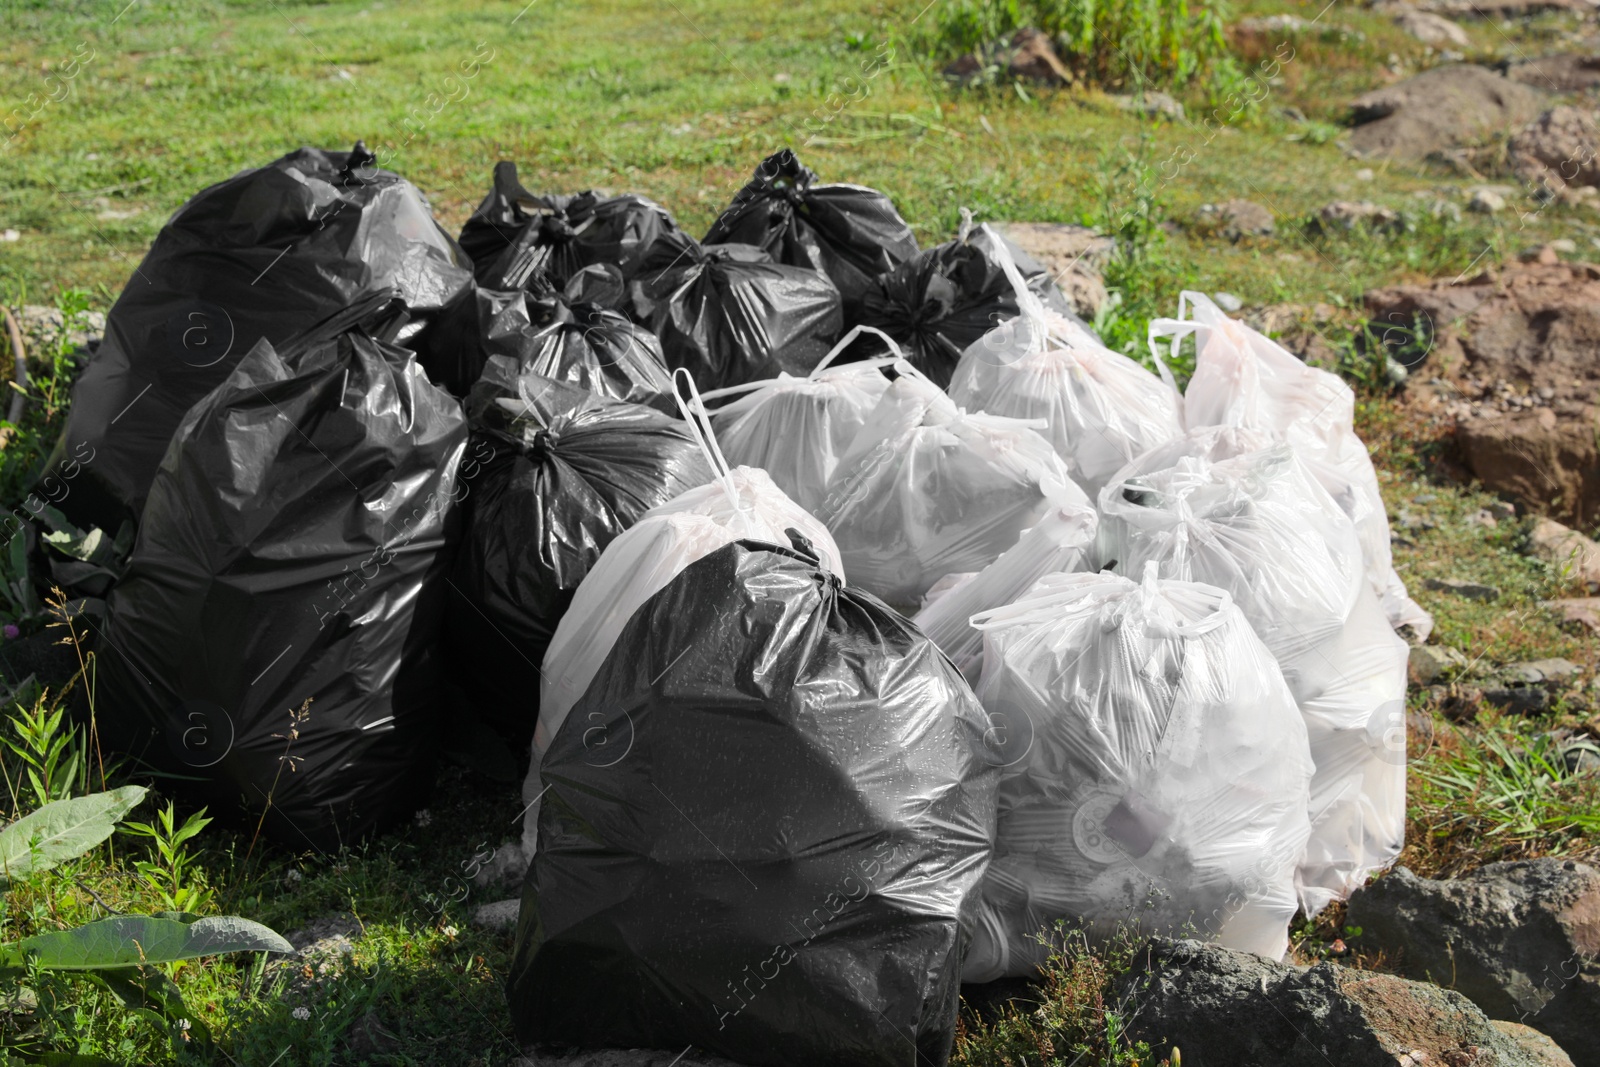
(1060, 541)
(1157, 771)
(1261, 527)
(1102, 408)
(739, 503)
(1245, 379)
(927, 489)
(795, 429)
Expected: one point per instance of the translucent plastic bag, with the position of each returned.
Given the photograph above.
(1060, 541)
(795, 429)
(1102, 408)
(927, 490)
(1261, 527)
(1245, 379)
(740, 503)
(1157, 771)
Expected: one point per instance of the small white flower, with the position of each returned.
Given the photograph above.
(424, 817)
(183, 1024)
(450, 931)
(292, 875)
(302, 1013)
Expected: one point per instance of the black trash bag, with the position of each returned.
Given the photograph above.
(763, 818)
(266, 254)
(728, 314)
(574, 336)
(849, 232)
(579, 230)
(945, 298)
(554, 474)
(292, 556)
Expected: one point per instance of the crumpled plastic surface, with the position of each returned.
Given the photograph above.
(741, 504)
(554, 474)
(575, 335)
(1156, 772)
(791, 805)
(1062, 540)
(927, 490)
(1260, 526)
(294, 549)
(1243, 378)
(942, 300)
(849, 232)
(1103, 409)
(796, 429)
(728, 314)
(268, 253)
(573, 232)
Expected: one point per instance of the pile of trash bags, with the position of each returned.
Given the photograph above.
(861, 621)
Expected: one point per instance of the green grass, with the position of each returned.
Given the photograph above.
(680, 100)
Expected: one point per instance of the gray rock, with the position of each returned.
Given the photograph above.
(1075, 256)
(1521, 940)
(1563, 72)
(328, 936)
(1534, 1043)
(1568, 551)
(1151, 105)
(1223, 1008)
(1440, 109)
(1429, 662)
(1470, 590)
(1546, 671)
(1431, 29)
(1349, 214)
(41, 323)
(1486, 201)
(1236, 219)
(499, 915)
(1519, 699)
(1555, 150)
(507, 865)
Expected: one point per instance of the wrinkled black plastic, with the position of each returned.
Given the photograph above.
(266, 254)
(944, 298)
(294, 548)
(849, 232)
(574, 336)
(548, 487)
(576, 230)
(728, 314)
(763, 818)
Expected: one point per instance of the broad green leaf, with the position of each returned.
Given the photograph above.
(132, 940)
(62, 830)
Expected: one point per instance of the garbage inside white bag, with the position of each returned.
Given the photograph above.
(1244, 378)
(1261, 527)
(1060, 541)
(795, 429)
(739, 503)
(927, 489)
(1102, 408)
(1157, 772)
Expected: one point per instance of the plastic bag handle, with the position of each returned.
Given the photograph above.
(844, 342)
(1027, 301)
(703, 436)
